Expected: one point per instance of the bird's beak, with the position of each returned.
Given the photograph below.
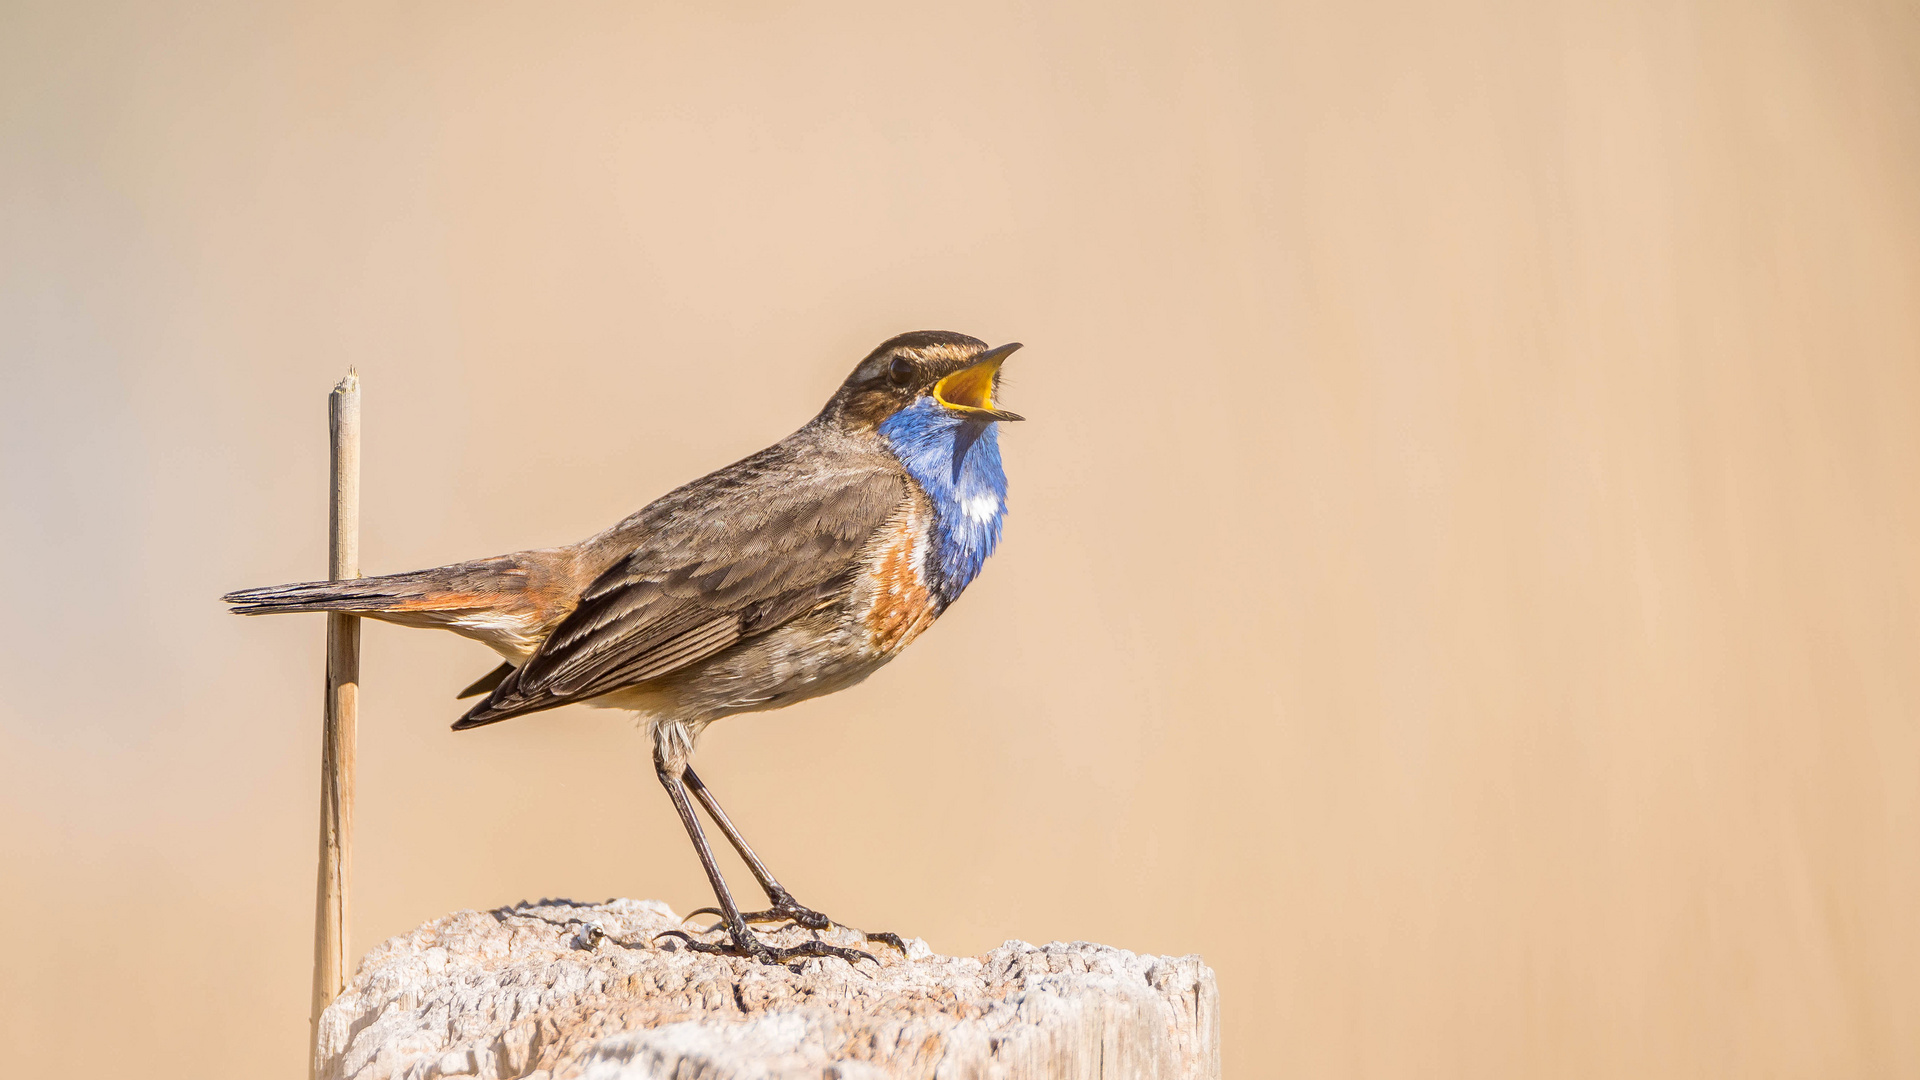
(969, 391)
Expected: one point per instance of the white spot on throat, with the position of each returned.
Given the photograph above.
(982, 507)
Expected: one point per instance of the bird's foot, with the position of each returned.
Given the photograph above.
(786, 909)
(742, 942)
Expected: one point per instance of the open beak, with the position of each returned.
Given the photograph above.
(969, 391)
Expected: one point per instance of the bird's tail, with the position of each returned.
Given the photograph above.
(416, 591)
(509, 601)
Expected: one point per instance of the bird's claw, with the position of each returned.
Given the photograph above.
(786, 909)
(741, 942)
(888, 937)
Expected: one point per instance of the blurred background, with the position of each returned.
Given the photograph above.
(1462, 567)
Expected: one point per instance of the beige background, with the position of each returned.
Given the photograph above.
(1462, 570)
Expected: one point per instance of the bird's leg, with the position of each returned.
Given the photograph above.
(741, 941)
(784, 905)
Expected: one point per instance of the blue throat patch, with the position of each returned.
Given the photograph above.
(957, 462)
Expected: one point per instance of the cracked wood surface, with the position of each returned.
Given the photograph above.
(563, 989)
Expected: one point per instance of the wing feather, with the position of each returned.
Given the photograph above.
(731, 555)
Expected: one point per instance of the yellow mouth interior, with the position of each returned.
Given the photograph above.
(971, 388)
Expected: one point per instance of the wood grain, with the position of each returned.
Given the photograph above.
(340, 725)
(600, 991)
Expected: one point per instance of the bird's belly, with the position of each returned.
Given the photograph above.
(813, 655)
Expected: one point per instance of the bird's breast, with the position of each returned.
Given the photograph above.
(894, 601)
(956, 464)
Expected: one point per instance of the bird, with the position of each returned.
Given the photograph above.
(794, 572)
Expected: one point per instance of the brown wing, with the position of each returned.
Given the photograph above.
(726, 557)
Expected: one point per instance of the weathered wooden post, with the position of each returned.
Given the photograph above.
(341, 722)
(607, 992)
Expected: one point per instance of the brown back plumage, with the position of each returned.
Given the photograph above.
(733, 554)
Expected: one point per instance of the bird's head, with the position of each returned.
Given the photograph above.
(943, 374)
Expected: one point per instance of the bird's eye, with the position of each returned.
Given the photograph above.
(900, 371)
